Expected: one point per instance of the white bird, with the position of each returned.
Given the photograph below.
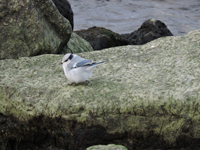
(78, 69)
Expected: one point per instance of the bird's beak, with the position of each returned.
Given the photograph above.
(61, 63)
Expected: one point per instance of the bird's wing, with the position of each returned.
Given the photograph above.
(82, 63)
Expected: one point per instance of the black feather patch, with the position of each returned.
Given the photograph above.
(71, 56)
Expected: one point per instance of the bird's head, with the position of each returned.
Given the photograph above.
(67, 58)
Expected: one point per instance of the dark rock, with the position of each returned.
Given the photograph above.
(101, 38)
(149, 31)
(3, 119)
(65, 9)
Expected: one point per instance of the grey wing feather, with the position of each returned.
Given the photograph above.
(83, 63)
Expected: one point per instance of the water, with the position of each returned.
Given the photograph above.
(125, 16)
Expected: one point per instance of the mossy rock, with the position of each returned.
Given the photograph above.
(30, 28)
(77, 44)
(146, 94)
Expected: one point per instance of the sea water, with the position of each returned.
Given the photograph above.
(125, 16)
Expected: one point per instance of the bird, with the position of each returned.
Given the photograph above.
(77, 69)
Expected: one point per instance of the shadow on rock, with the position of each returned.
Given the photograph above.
(57, 133)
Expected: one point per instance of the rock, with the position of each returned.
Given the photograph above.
(30, 28)
(77, 44)
(145, 94)
(107, 147)
(101, 38)
(149, 31)
(65, 9)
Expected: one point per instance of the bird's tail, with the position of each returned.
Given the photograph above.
(97, 63)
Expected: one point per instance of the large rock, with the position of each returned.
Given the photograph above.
(30, 28)
(65, 9)
(143, 95)
(77, 44)
(150, 30)
(101, 38)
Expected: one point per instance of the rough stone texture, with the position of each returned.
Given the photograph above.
(77, 44)
(107, 147)
(31, 27)
(149, 31)
(65, 9)
(101, 38)
(143, 95)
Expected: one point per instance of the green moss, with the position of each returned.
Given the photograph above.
(77, 44)
(141, 89)
(34, 31)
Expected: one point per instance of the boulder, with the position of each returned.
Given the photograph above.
(30, 28)
(65, 9)
(144, 94)
(150, 30)
(101, 38)
(77, 44)
(107, 147)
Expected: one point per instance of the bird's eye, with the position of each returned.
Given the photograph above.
(71, 56)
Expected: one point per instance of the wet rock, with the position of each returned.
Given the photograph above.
(30, 28)
(101, 38)
(65, 9)
(149, 31)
